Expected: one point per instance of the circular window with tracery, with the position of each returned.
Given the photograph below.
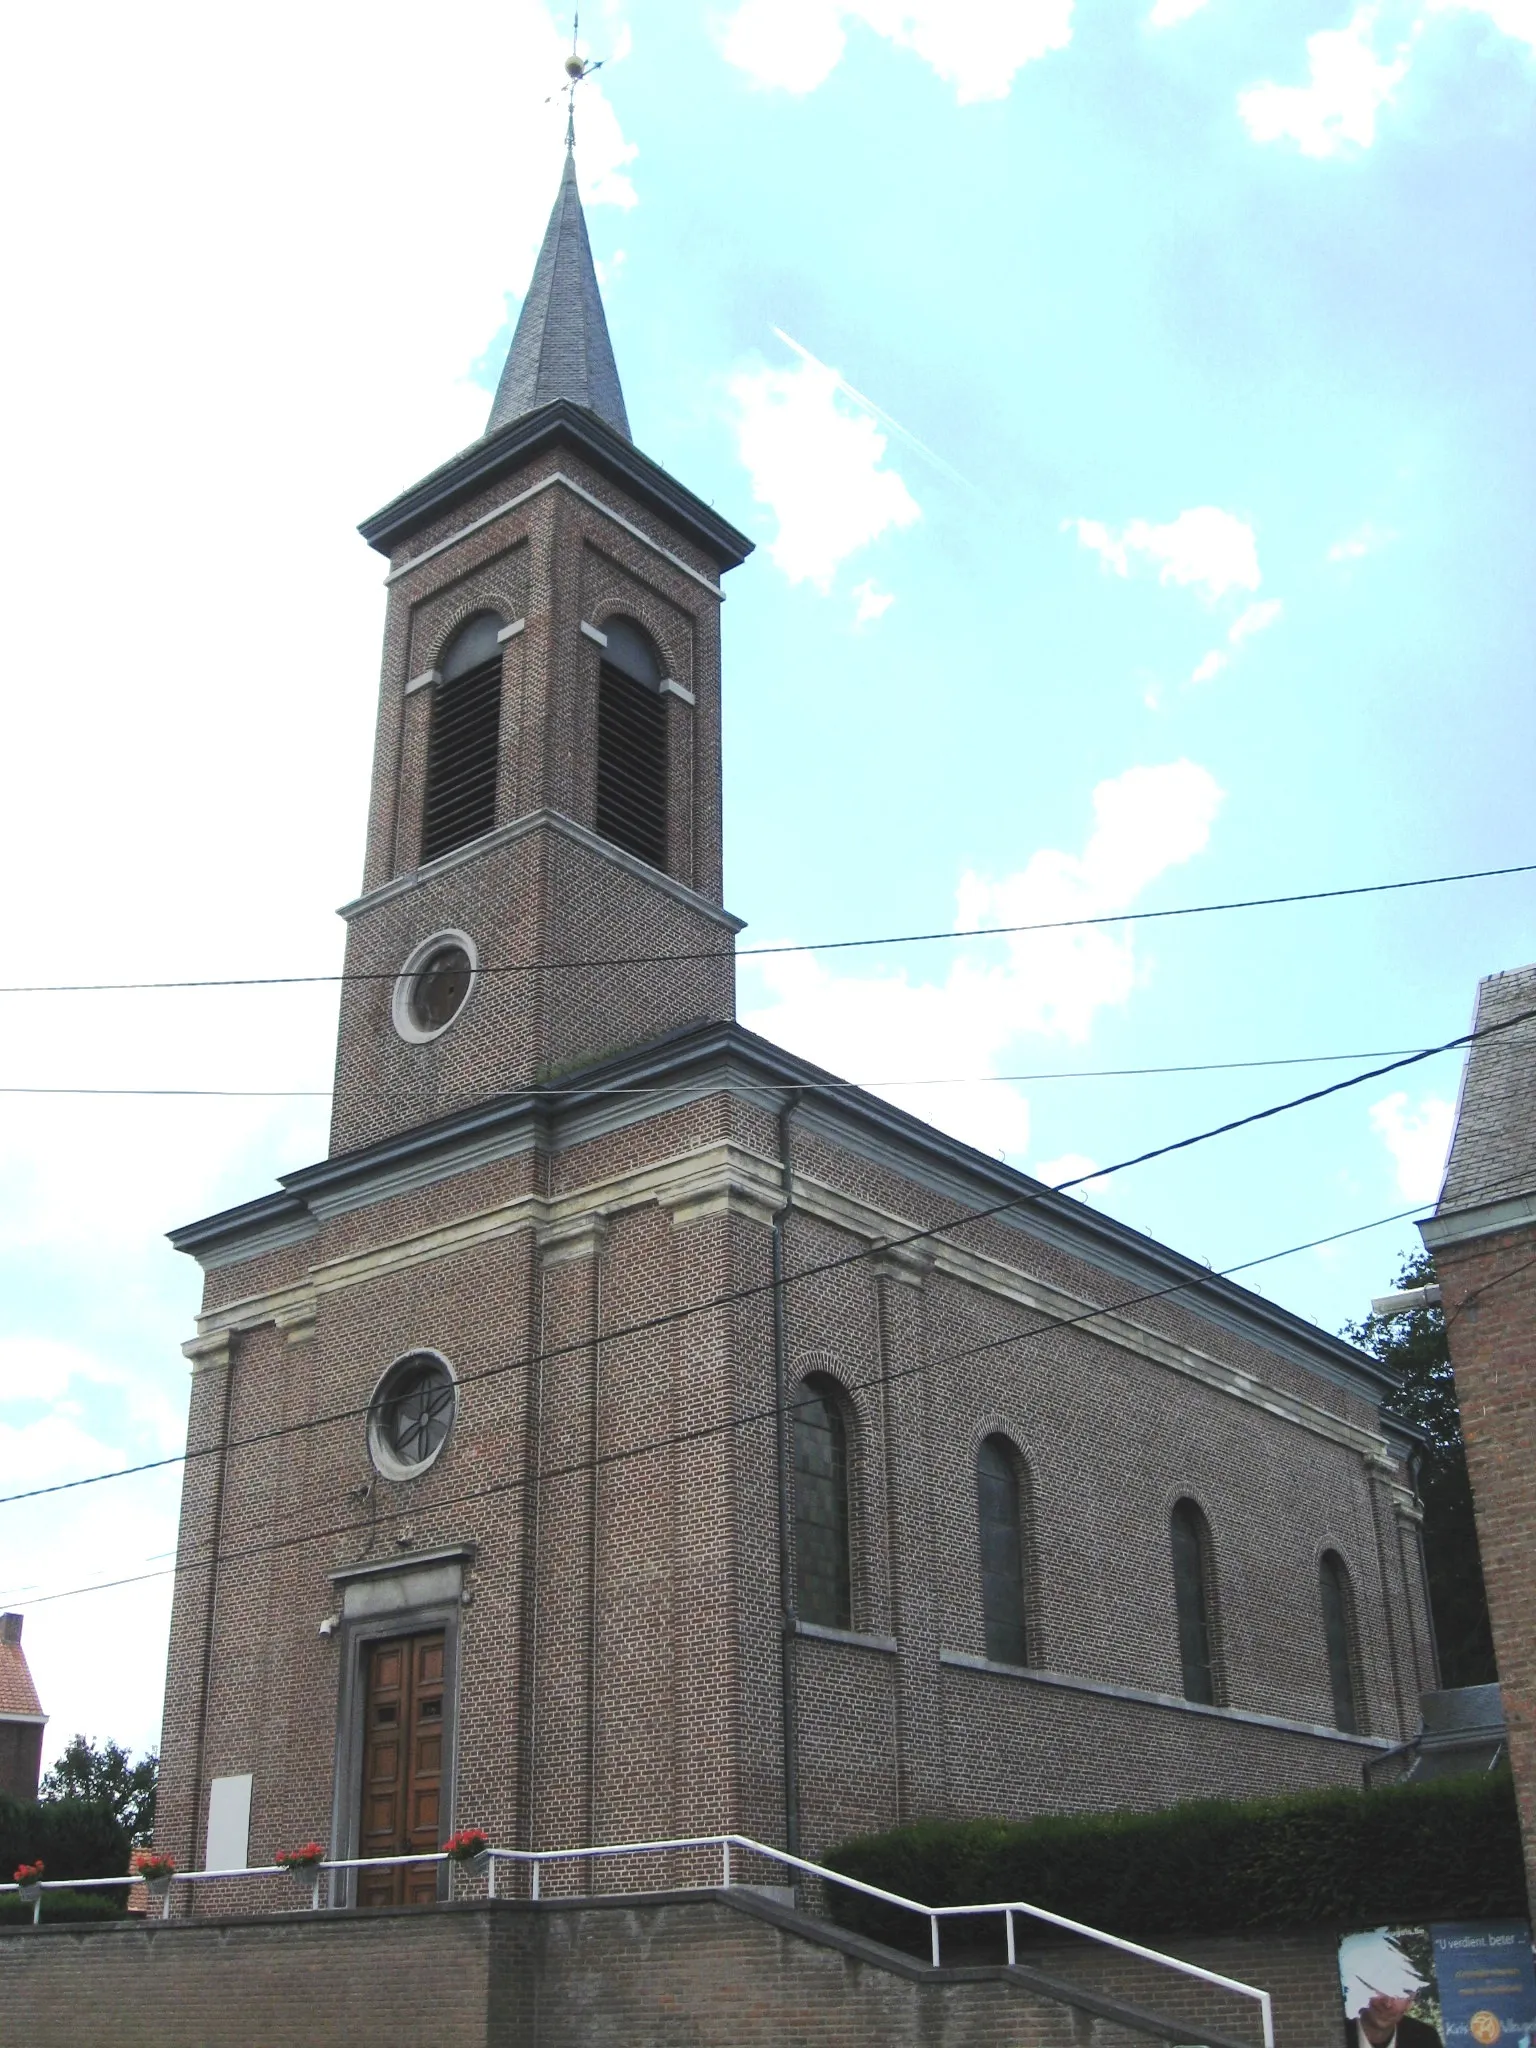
(411, 1414)
(434, 985)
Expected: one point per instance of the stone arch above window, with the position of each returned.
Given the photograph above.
(823, 1521)
(464, 739)
(1194, 1593)
(1341, 1640)
(632, 743)
(1003, 1547)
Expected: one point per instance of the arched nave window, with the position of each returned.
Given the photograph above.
(1001, 1536)
(1194, 1598)
(1339, 1636)
(823, 1567)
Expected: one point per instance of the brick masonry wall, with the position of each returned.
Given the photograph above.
(620, 1654)
(690, 1973)
(555, 562)
(21, 1754)
(1489, 1287)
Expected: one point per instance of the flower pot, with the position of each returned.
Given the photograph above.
(157, 1887)
(30, 1892)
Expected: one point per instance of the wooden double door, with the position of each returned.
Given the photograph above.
(404, 1759)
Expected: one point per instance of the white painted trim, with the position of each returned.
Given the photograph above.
(24, 1720)
(511, 632)
(670, 687)
(421, 682)
(557, 476)
(594, 633)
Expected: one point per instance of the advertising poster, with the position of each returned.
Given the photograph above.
(1453, 1984)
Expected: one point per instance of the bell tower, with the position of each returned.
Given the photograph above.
(542, 885)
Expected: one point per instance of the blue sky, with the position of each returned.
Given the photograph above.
(1132, 407)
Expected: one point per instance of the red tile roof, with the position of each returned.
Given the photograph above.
(18, 1695)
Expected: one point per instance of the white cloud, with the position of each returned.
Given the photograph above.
(1169, 13)
(815, 461)
(885, 1027)
(870, 602)
(1515, 18)
(1367, 539)
(1254, 618)
(1347, 85)
(1205, 548)
(1210, 665)
(1418, 1140)
(1073, 1166)
(977, 46)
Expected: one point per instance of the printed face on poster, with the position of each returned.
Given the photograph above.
(1452, 1984)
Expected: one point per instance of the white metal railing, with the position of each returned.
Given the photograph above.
(537, 1860)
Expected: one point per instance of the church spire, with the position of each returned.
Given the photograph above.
(561, 348)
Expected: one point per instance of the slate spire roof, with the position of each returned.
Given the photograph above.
(561, 348)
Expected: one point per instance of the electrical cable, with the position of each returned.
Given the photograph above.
(703, 1431)
(757, 1288)
(720, 953)
(566, 1089)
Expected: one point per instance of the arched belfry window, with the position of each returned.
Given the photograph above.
(823, 1570)
(632, 744)
(1340, 1640)
(464, 742)
(1001, 1534)
(1194, 1598)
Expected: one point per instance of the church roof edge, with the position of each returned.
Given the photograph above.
(499, 453)
(1074, 1225)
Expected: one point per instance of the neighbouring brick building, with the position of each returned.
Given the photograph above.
(22, 1719)
(627, 1430)
(1483, 1237)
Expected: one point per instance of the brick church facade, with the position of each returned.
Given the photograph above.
(625, 1432)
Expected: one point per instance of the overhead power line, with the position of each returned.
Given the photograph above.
(743, 1418)
(829, 1087)
(736, 1295)
(609, 961)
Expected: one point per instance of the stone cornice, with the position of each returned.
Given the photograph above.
(543, 821)
(1485, 1219)
(486, 461)
(706, 1060)
(729, 1178)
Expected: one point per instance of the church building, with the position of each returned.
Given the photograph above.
(628, 1430)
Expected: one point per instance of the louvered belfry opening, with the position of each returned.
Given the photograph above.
(632, 745)
(464, 744)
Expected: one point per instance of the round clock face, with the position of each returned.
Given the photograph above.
(439, 988)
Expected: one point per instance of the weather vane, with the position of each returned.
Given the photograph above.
(576, 69)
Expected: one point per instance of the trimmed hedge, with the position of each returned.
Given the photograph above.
(1448, 1850)
(64, 1906)
(71, 1837)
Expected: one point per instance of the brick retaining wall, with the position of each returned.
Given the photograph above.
(692, 1970)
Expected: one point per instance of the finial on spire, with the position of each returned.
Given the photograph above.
(577, 68)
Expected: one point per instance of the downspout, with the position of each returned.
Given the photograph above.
(789, 1618)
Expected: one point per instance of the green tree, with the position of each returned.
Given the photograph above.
(108, 1778)
(1415, 1345)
